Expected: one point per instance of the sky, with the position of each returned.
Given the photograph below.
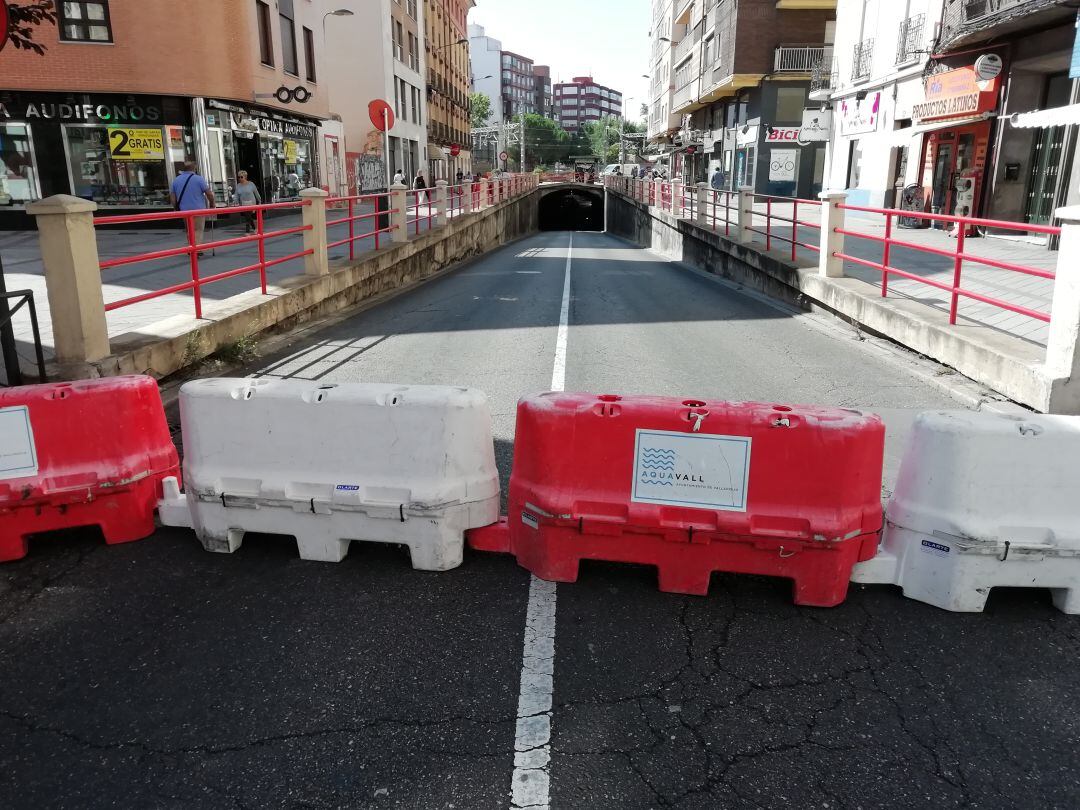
(607, 39)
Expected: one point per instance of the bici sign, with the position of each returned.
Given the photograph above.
(782, 134)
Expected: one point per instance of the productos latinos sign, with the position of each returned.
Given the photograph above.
(954, 93)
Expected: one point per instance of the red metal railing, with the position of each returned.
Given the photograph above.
(351, 218)
(958, 256)
(192, 249)
(771, 204)
(727, 197)
(421, 198)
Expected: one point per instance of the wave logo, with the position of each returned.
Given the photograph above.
(658, 460)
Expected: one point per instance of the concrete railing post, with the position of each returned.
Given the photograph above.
(466, 196)
(485, 189)
(701, 215)
(440, 203)
(399, 220)
(676, 198)
(313, 213)
(658, 197)
(1063, 340)
(832, 217)
(744, 216)
(69, 253)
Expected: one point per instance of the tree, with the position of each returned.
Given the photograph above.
(644, 111)
(479, 109)
(24, 17)
(545, 141)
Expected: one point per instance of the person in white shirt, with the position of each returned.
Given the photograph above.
(399, 178)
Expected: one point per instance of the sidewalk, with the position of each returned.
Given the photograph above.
(1014, 287)
(23, 269)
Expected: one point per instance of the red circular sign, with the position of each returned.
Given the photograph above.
(691, 149)
(381, 114)
(455, 150)
(3, 24)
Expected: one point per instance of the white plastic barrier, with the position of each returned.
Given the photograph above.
(330, 464)
(984, 500)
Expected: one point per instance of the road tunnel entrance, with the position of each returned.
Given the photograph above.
(572, 209)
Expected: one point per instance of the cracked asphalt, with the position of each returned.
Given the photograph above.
(156, 675)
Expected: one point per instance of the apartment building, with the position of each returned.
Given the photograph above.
(543, 100)
(376, 53)
(582, 100)
(446, 44)
(518, 85)
(738, 75)
(973, 112)
(485, 66)
(127, 91)
(662, 123)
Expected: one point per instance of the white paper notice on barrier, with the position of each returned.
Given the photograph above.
(700, 471)
(18, 457)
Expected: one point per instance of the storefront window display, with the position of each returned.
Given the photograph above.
(18, 174)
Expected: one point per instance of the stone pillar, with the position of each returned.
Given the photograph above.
(676, 198)
(466, 195)
(657, 188)
(702, 214)
(73, 277)
(399, 220)
(832, 217)
(440, 203)
(743, 216)
(313, 213)
(485, 189)
(1063, 340)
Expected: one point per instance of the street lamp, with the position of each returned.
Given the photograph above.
(450, 44)
(341, 12)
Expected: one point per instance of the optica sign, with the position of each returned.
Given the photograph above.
(956, 92)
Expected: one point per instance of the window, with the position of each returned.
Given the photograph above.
(288, 38)
(85, 21)
(789, 104)
(410, 8)
(414, 51)
(309, 53)
(266, 43)
(399, 41)
(854, 167)
(18, 169)
(416, 106)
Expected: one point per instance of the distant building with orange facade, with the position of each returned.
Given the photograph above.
(447, 48)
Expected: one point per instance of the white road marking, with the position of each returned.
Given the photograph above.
(531, 786)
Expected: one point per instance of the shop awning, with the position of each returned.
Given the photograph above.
(945, 123)
(435, 152)
(1054, 117)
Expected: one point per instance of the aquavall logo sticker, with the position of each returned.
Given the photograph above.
(699, 471)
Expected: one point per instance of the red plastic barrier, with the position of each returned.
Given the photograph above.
(85, 453)
(693, 487)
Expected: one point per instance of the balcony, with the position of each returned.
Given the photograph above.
(909, 39)
(823, 76)
(964, 22)
(861, 59)
(797, 58)
(685, 96)
(682, 49)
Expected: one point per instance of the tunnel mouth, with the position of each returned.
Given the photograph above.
(572, 210)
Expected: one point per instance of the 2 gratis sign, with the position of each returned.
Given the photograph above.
(128, 143)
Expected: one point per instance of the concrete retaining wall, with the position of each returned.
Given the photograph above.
(1001, 362)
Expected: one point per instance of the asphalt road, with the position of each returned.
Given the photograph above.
(157, 675)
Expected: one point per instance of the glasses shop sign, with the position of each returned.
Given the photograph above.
(89, 109)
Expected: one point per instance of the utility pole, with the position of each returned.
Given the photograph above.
(522, 134)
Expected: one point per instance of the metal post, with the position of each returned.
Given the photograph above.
(386, 145)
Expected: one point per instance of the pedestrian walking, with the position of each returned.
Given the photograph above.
(634, 172)
(717, 181)
(190, 192)
(246, 193)
(420, 185)
(399, 178)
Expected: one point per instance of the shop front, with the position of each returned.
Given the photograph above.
(121, 151)
(278, 151)
(954, 117)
